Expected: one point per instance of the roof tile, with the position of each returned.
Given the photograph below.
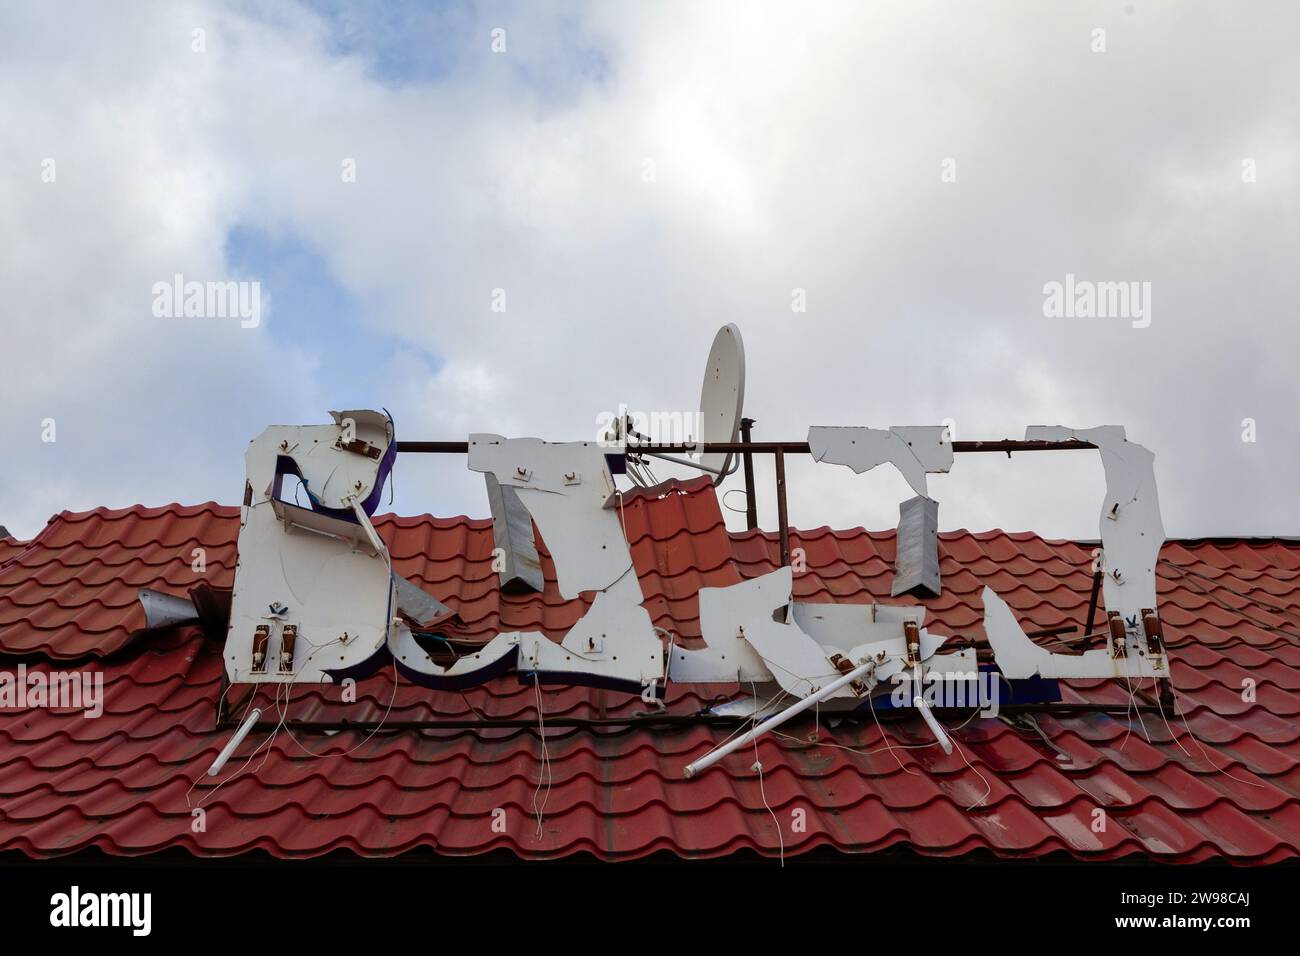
(126, 782)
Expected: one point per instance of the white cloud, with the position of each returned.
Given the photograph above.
(798, 148)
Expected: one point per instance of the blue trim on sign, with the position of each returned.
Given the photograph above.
(362, 669)
(575, 679)
(285, 465)
(1029, 690)
(461, 681)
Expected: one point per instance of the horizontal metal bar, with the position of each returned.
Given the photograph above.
(1007, 445)
(433, 447)
(681, 461)
(678, 720)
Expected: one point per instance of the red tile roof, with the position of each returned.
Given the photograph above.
(124, 782)
(9, 547)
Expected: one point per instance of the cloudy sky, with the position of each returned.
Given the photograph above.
(634, 175)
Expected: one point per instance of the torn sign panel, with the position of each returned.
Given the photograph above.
(1130, 525)
(567, 488)
(756, 634)
(913, 450)
(512, 535)
(417, 604)
(615, 641)
(728, 656)
(313, 593)
(798, 663)
(569, 491)
(916, 562)
(1018, 657)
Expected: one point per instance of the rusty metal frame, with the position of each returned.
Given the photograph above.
(777, 449)
(1007, 445)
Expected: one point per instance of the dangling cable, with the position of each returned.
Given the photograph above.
(888, 746)
(545, 769)
(758, 768)
(733, 491)
(1198, 743)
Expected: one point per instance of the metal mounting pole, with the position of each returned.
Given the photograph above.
(782, 519)
(751, 503)
(1092, 604)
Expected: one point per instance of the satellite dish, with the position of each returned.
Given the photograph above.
(722, 398)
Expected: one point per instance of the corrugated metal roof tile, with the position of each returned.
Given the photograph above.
(125, 782)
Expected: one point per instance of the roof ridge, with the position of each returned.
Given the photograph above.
(668, 488)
